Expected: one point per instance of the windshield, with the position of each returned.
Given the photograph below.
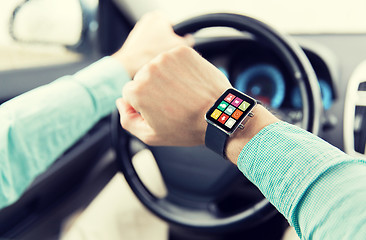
(291, 16)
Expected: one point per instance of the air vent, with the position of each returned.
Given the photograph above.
(362, 86)
(359, 130)
(354, 129)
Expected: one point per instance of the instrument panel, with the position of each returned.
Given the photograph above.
(253, 68)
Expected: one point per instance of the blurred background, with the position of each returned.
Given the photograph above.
(43, 27)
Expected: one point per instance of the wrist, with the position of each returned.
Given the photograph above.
(126, 62)
(237, 141)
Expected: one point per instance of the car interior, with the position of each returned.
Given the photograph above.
(307, 72)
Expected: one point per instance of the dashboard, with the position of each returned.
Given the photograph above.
(256, 69)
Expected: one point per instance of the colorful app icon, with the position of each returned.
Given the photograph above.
(230, 123)
(230, 97)
(244, 106)
(236, 102)
(222, 105)
(216, 114)
(229, 110)
(237, 114)
(223, 118)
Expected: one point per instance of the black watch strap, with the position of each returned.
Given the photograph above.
(215, 139)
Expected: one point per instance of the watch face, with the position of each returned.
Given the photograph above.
(230, 110)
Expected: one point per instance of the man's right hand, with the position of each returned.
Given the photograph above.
(167, 101)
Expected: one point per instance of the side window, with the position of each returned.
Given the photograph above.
(36, 33)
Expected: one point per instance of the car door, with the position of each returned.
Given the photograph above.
(29, 59)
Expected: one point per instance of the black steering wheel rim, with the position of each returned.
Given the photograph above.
(301, 71)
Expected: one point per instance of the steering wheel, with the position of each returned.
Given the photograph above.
(198, 198)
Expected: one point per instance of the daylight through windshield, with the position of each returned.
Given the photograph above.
(292, 16)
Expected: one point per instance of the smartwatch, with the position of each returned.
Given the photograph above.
(228, 113)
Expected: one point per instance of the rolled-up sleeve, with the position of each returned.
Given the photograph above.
(318, 188)
(38, 126)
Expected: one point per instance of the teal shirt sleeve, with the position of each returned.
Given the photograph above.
(38, 126)
(318, 188)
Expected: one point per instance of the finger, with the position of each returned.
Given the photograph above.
(189, 39)
(132, 121)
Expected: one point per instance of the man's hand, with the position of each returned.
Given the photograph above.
(166, 102)
(152, 35)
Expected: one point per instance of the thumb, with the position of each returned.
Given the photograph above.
(133, 122)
